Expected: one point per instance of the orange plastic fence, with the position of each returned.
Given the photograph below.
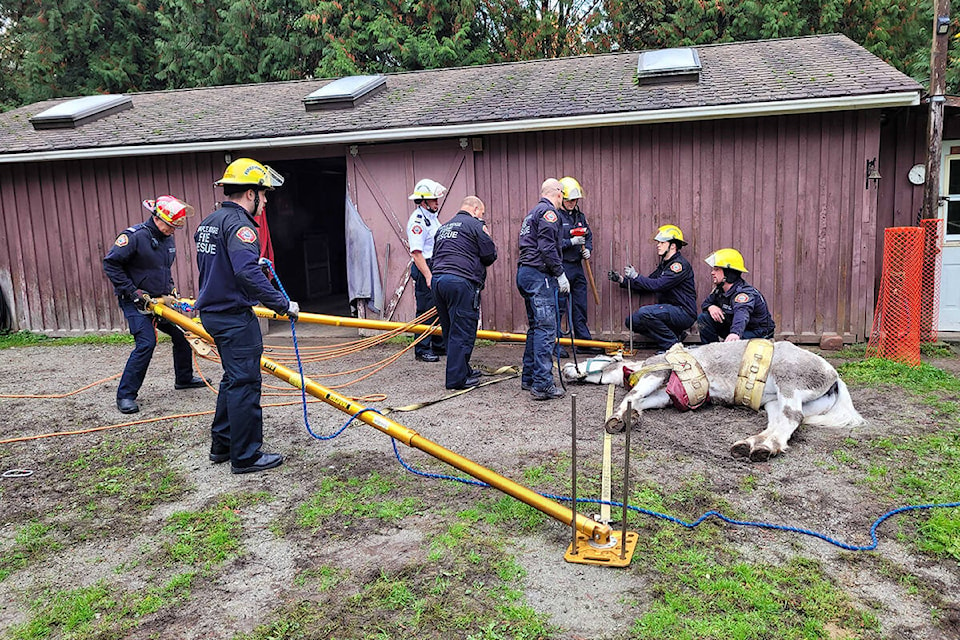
(930, 278)
(896, 322)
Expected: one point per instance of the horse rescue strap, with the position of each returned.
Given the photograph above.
(753, 373)
(687, 387)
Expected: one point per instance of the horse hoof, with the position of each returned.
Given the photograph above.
(614, 425)
(760, 454)
(740, 449)
(635, 420)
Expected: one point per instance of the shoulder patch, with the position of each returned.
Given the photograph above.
(246, 234)
(676, 267)
(417, 229)
(550, 216)
(122, 240)
(741, 298)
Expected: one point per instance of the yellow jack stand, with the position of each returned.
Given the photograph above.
(608, 555)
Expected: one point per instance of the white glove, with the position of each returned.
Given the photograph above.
(585, 253)
(564, 283)
(630, 272)
(575, 240)
(293, 310)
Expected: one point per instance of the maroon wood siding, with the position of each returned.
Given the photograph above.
(788, 192)
(60, 218)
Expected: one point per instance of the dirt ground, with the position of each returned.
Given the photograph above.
(497, 426)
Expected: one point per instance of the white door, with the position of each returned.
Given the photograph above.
(950, 210)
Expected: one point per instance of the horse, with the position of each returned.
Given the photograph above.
(801, 388)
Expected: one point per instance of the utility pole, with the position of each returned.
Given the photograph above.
(938, 84)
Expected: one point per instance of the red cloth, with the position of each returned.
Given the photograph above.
(266, 246)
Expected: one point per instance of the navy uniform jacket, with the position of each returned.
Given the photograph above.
(672, 281)
(571, 220)
(745, 305)
(464, 248)
(140, 258)
(227, 253)
(540, 239)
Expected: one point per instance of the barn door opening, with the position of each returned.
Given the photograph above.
(306, 222)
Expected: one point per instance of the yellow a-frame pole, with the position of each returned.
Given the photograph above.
(599, 533)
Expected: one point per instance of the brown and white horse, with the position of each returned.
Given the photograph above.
(801, 388)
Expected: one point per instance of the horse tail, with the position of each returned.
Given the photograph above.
(841, 414)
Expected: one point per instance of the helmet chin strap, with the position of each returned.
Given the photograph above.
(256, 202)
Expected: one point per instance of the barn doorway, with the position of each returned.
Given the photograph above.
(306, 221)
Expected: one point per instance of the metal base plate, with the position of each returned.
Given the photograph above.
(590, 553)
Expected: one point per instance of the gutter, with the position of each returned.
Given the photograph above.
(683, 114)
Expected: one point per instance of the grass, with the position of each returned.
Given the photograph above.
(31, 542)
(28, 339)
(207, 538)
(340, 502)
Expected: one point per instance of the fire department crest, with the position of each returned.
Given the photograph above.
(676, 267)
(122, 240)
(417, 229)
(550, 216)
(246, 234)
(741, 298)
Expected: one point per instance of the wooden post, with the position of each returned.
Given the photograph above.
(938, 80)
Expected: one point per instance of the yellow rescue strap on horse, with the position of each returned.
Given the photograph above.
(753, 373)
(690, 374)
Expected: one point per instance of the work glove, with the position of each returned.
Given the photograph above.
(613, 276)
(585, 253)
(630, 272)
(142, 301)
(564, 283)
(575, 240)
(293, 311)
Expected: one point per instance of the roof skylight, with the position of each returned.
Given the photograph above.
(344, 93)
(79, 111)
(668, 64)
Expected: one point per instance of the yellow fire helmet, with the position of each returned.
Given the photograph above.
(169, 209)
(669, 232)
(245, 171)
(726, 259)
(571, 188)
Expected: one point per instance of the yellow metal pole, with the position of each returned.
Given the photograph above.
(600, 533)
(385, 325)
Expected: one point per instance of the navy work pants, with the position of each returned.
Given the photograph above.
(458, 305)
(539, 291)
(425, 301)
(238, 421)
(663, 323)
(144, 343)
(713, 331)
(578, 296)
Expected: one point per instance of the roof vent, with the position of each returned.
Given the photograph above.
(344, 93)
(667, 65)
(80, 111)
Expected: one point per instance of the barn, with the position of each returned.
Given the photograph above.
(764, 146)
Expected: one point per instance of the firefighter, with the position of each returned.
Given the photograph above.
(667, 321)
(231, 283)
(540, 278)
(576, 243)
(421, 232)
(138, 264)
(463, 251)
(734, 310)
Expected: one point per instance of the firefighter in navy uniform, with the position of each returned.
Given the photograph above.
(138, 264)
(540, 277)
(576, 244)
(421, 231)
(667, 321)
(461, 255)
(231, 282)
(734, 310)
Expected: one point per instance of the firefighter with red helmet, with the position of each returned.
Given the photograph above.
(139, 266)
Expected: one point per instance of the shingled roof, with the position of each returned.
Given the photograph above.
(813, 73)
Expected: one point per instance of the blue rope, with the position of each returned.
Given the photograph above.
(653, 514)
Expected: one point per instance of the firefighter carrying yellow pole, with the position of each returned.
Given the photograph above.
(598, 533)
